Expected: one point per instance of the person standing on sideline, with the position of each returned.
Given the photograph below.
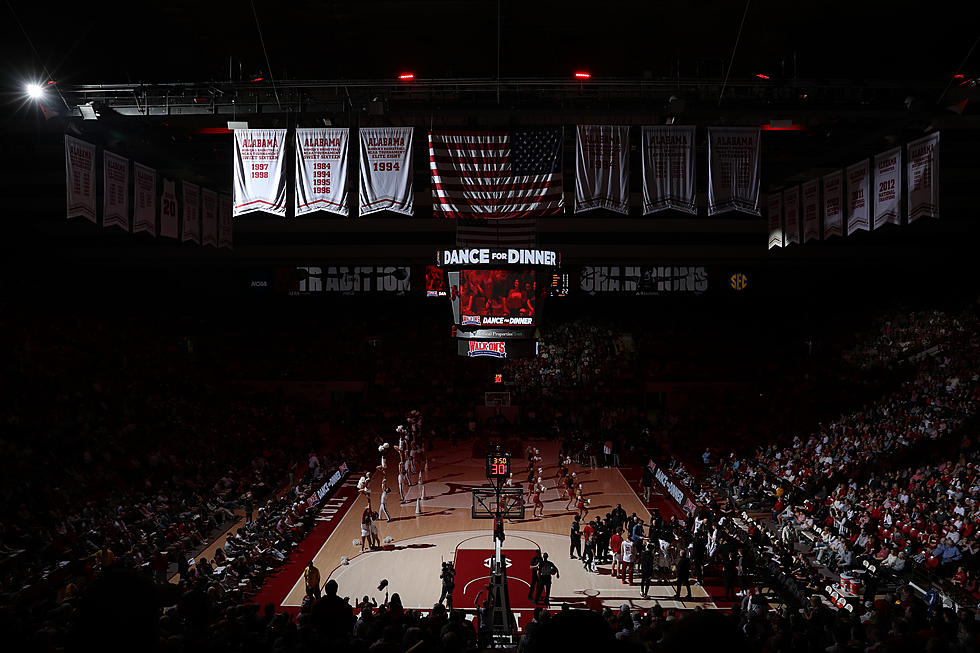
(683, 574)
(731, 575)
(312, 577)
(575, 538)
(535, 561)
(646, 481)
(626, 566)
(546, 569)
(382, 510)
(646, 569)
(448, 577)
(615, 545)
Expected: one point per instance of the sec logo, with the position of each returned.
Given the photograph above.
(738, 281)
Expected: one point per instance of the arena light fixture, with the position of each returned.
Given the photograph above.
(406, 76)
(762, 76)
(581, 74)
(35, 91)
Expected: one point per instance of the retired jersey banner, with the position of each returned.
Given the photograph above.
(922, 177)
(668, 169)
(811, 210)
(733, 170)
(775, 211)
(791, 213)
(888, 186)
(321, 170)
(191, 230)
(168, 210)
(259, 181)
(209, 218)
(224, 221)
(858, 186)
(386, 170)
(80, 172)
(833, 203)
(602, 168)
(144, 199)
(115, 211)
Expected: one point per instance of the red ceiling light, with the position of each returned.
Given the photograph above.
(761, 76)
(258, 79)
(406, 76)
(583, 75)
(956, 76)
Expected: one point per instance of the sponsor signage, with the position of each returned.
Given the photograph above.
(674, 490)
(494, 334)
(489, 320)
(493, 348)
(644, 280)
(353, 280)
(331, 483)
(496, 256)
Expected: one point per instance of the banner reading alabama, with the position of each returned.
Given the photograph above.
(259, 182)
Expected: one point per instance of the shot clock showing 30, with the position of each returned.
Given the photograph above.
(498, 466)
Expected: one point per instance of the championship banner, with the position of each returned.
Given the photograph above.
(888, 184)
(733, 170)
(168, 210)
(811, 210)
(321, 170)
(224, 221)
(833, 203)
(259, 182)
(858, 184)
(192, 213)
(80, 173)
(386, 170)
(922, 177)
(145, 199)
(602, 170)
(209, 217)
(791, 212)
(668, 169)
(115, 211)
(775, 211)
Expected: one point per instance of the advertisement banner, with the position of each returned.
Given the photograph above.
(80, 173)
(888, 187)
(386, 170)
(644, 280)
(733, 170)
(811, 210)
(321, 170)
(191, 228)
(259, 181)
(791, 214)
(833, 204)
(168, 210)
(858, 186)
(224, 221)
(115, 211)
(668, 169)
(353, 280)
(775, 211)
(145, 199)
(922, 177)
(602, 156)
(209, 218)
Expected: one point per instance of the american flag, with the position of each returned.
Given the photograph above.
(496, 175)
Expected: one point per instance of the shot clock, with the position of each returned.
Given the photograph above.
(498, 466)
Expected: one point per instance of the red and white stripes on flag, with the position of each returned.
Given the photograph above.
(259, 181)
(668, 170)
(733, 170)
(144, 199)
(888, 187)
(224, 221)
(168, 210)
(775, 211)
(209, 218)
(191, 218)
(811, 210)
(791, 211)
(602, 158)
(116, 193)
(80, 172)
(496, 175)
(833, 204)
(922, 177)
(858, 190)
(321, 170)
(386, 170)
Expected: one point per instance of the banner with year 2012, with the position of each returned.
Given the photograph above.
(321, 170)
(733, 170)
(888, 186)
(602, 168)
(386, 170)
(259, 181)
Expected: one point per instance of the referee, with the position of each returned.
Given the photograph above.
(575, 538)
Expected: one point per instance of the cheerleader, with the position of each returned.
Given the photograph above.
(536, 499)
(560, 474)
(364, 487)
(570, 491)
(581, 503)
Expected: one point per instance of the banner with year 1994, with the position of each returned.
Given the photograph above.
(668, 169)
(888, 186)
(259, 181)
(922, 177)
(80, 169)
(321, 170)
(386, 170)
(733, 170)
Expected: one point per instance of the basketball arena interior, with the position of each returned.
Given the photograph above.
(444, 326)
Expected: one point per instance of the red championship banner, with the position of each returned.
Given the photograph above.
(115, 211)
(191, 229)
(386, 170)
(888, 187)
(168, 210)
(833, 204)
(775, 211)
(811, 210)
(791, 213)
(80, 172)
(858, 187)
(321, 170)
(733, 170)
(668, 170)
(259, 181)
(602, 166)
(224, 221)
(922, 177)
(209, 218)
(144, 199)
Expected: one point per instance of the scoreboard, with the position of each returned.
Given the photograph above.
(498, 466)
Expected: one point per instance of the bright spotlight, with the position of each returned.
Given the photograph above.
(34, 91)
